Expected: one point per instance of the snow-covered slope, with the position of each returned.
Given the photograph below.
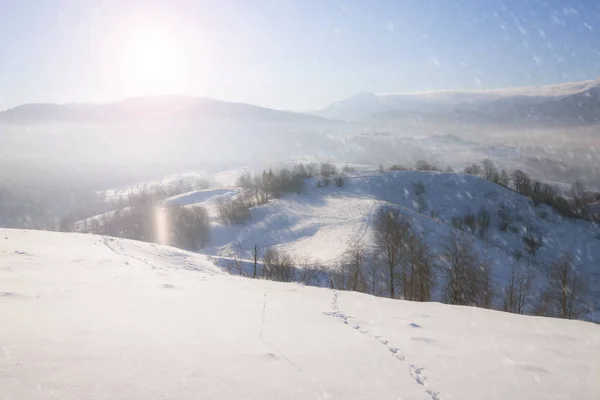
(88, 317)
(323, 222)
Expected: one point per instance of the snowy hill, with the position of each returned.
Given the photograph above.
(108, 318)
(324, 222)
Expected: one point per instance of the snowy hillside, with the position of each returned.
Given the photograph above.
(92, 317)
(323, 222)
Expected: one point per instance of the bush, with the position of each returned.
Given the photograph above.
(421, 204)
(234, 211)
(469, 220)
(503, 217)
(340, 180)
(532, 238)
(423, 165)
(278, 266)
(483, 222)
(473, 169)
(419, 188)
(328, 170)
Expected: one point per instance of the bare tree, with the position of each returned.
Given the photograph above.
(278, 266)
(503, 178)
(522, 182)
(355, 263)
(565, 291)
(255, 260)
(340, 180)
(468, 280)
(489, 170)
(310, 270)
(578, 194)
(473, 169)
(518, 288)
(417, 269)
(374, 273)
(391, 229)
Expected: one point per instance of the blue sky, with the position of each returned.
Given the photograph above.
(288, 54)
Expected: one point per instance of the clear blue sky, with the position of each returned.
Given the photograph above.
(288, 54)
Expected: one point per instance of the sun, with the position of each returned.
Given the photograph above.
(154, 62)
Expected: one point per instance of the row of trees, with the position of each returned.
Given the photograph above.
(575, 204)
(400, 264)
(259, 188)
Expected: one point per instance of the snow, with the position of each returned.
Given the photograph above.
(93, 317)
(323, 222)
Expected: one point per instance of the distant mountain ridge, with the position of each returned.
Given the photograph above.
(158, 107)
(565, 103)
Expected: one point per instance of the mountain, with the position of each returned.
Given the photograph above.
(150, 108)
(115, 318)
(558, 103)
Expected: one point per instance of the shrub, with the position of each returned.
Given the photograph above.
(419, 188)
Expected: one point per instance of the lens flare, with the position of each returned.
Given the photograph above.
(161, 225)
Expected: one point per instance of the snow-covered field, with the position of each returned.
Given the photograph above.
(84, 316)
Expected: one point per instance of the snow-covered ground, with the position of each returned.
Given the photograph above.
(84, 316)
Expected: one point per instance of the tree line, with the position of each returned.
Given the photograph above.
(260, 188)
(401, 265)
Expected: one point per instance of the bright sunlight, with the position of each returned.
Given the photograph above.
(155, 62)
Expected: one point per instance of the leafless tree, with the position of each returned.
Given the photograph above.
(278, 266)
(489, 170)
(340, 180)
(391, 229)
(328, 170)
(373, 271)
(309, 270)
(517, 291)
(474, 169)
(255, 260)
(578, 194)
(565, 291)
(521, 182)
(355, 264)
(417, 269)
(468, 280)
(503, 179)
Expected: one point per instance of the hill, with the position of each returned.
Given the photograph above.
(113, 318)
(149, 108)
(323, 223)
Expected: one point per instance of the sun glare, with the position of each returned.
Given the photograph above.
(154, 62)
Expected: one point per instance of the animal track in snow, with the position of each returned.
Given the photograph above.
(415, 371)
